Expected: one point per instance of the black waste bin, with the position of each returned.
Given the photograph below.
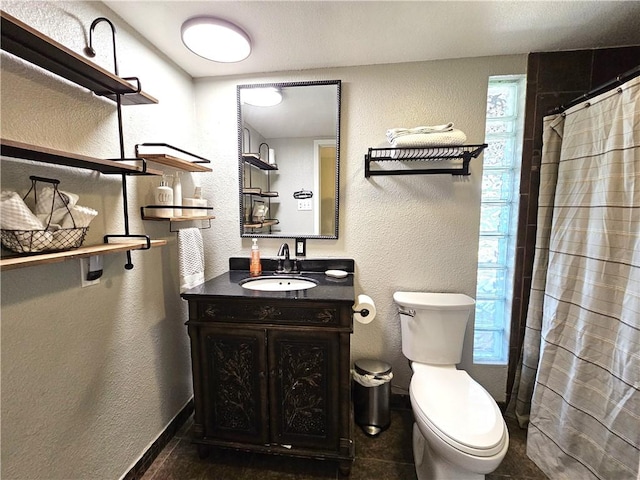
(371, 395)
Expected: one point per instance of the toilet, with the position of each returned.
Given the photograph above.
(459, 432)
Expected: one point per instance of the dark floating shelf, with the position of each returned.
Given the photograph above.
(19, 150)
(27, 43)
(255, 160)
(171, 156)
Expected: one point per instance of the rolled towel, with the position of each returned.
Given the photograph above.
(80, 216)
(394, 133)
(15, 215)
(53, 219)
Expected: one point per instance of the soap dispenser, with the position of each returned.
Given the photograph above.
(164, 196)
(255, 268)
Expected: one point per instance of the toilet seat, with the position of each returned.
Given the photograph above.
(457, 409)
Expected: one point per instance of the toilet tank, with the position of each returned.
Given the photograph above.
(433, 325)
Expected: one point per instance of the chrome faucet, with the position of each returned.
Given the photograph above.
(284, 264)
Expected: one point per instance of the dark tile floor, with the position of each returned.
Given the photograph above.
(386, 457)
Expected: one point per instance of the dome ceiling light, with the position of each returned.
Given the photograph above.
(216, 39)
(262, 97)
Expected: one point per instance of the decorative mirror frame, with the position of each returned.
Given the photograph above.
(241, 162)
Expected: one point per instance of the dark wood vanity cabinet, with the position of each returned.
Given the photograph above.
(272, 376)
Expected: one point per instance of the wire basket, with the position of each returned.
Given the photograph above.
(49, 239)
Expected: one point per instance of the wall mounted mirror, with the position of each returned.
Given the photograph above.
(289, 159)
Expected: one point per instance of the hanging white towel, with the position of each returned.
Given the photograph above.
(190, 258)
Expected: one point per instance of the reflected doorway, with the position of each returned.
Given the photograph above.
(325, 200)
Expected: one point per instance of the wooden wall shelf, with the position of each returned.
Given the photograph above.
(255, 160)
(14, 262)
(183, 218)
(175, 162)
(27, 43)
(266, 223)
(171, 156)
(19, 150)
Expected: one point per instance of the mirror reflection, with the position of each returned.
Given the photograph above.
(289, 144)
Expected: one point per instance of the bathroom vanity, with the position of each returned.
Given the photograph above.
(271, 369)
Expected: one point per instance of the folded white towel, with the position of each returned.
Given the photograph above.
(190, 258)
(15, 215)
(452, 138)
(394, 133)
(82, 217)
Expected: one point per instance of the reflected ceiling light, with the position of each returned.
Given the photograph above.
(216, 39)
(262, 97)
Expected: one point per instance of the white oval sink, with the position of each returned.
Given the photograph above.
(278, 284)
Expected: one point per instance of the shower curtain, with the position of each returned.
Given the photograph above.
(578, 387)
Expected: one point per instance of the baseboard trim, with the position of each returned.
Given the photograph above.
(147, 458)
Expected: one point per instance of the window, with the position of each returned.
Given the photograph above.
(498, 218)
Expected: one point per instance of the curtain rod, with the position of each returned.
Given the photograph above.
(619, 80)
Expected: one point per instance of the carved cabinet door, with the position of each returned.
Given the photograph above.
(235, 384)
(304, 388)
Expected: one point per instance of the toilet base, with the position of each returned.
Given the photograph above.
(434, 467)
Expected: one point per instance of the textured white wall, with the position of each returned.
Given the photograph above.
(416, 233)
(91, 376)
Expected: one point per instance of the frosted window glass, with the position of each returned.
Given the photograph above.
(491, 282)
(499, 152)
(497, 184)
(498, 218)
(501, 100)
(487, 345)
(494, 127)
(494, 218)
(492, 251)
(489, 314)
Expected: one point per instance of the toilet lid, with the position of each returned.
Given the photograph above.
(458, 410)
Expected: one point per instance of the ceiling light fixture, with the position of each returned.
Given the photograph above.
(216, 39)
(262, 97)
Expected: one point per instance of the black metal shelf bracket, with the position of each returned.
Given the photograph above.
(118, 96)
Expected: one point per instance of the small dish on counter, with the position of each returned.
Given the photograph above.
(336, 273)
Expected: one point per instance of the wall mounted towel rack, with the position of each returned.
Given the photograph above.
(463, 154)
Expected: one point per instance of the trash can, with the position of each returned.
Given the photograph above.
(371, 395)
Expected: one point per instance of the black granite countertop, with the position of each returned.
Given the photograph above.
(328, 288)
